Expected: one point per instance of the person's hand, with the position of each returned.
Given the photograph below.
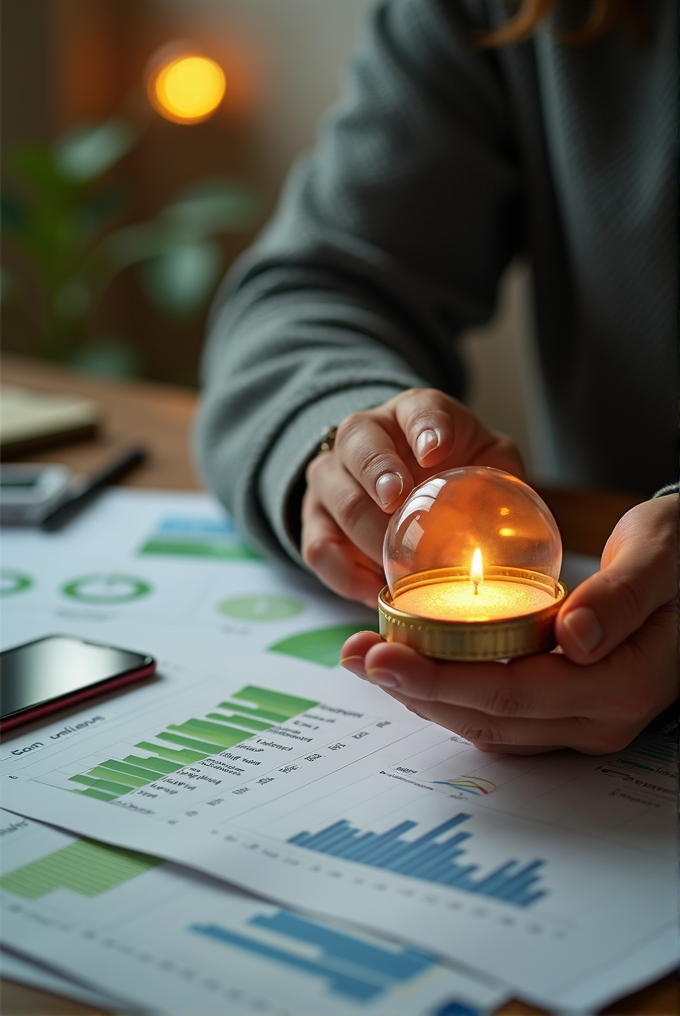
(615, 672)
(379, 456)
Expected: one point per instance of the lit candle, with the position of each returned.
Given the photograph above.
(442, 599)
(473, 600)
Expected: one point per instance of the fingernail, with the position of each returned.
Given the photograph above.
(384, 678)
(427, 441)
(388, 487)
(584, 627)
(355, 664)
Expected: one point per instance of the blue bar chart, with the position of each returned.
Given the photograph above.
(352, 967)
(435, 857)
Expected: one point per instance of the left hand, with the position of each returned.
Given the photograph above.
(616, 670)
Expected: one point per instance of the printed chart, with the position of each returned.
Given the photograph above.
(153, 560)
(174, 943)
(349, 806)
(13, 582)
(253, 758)
(193, 536)
(429, 857)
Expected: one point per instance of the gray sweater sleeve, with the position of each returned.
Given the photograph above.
(389, 239)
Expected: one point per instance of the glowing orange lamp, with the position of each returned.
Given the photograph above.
(185, 87)
(472, 560)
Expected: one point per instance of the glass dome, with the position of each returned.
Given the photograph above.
(448, 518)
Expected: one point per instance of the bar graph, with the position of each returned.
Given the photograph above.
(196, 537)
(177, 944)
(352, 967)
(84, 867)
(251, 710)
(435, 856)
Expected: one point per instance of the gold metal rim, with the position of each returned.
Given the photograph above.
(472, 640)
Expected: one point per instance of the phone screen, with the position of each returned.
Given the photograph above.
(60, 667)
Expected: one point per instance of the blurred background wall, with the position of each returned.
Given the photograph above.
(65, 62)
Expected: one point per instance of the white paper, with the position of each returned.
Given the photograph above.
(176, 943)
(107, 576)
(654, 959)
(33, 975)
(602, 834)
(602, 826)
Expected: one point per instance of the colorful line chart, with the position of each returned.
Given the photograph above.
(474, 785)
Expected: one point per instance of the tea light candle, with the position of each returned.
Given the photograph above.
(460, 601)
(476, 611)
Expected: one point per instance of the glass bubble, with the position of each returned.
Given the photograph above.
(449, 516)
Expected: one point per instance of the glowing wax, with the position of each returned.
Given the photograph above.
(456, 601)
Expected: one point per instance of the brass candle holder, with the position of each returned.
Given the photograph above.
(472, 560)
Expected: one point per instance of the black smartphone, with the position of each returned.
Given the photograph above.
(50, 673)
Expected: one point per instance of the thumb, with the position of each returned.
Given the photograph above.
(638, 576)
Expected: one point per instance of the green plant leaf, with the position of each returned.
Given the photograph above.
(181, 280)
(37, 165)
(134, 243)
(51, 238)
(213, 206)
(108, 356)
(100, 210)
(72, 300)
(88, 150)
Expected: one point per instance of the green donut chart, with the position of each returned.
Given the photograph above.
(322, 645)
(12, 582)
(261, 607)
(106, 588)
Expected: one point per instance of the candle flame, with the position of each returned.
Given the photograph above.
(476, 570)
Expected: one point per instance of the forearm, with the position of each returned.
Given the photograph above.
(275, 375)
(377, 258)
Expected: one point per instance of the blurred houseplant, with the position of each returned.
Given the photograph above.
(62, 222)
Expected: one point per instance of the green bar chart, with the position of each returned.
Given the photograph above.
(250, 711)
(83, 867)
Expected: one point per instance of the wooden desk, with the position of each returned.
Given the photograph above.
(160, 417)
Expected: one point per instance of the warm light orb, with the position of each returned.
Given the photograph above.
(188, 89)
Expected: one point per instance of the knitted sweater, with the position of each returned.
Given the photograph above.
(442, 162)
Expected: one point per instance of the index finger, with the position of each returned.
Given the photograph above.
(439, 428)
(368, 453)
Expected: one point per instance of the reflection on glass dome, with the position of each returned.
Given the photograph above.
(447, 518)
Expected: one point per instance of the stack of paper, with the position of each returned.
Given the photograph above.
(396, 869)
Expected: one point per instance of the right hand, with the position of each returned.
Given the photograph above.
(379, 456)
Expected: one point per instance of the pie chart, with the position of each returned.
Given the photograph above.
(261, 607)
(106, 588)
